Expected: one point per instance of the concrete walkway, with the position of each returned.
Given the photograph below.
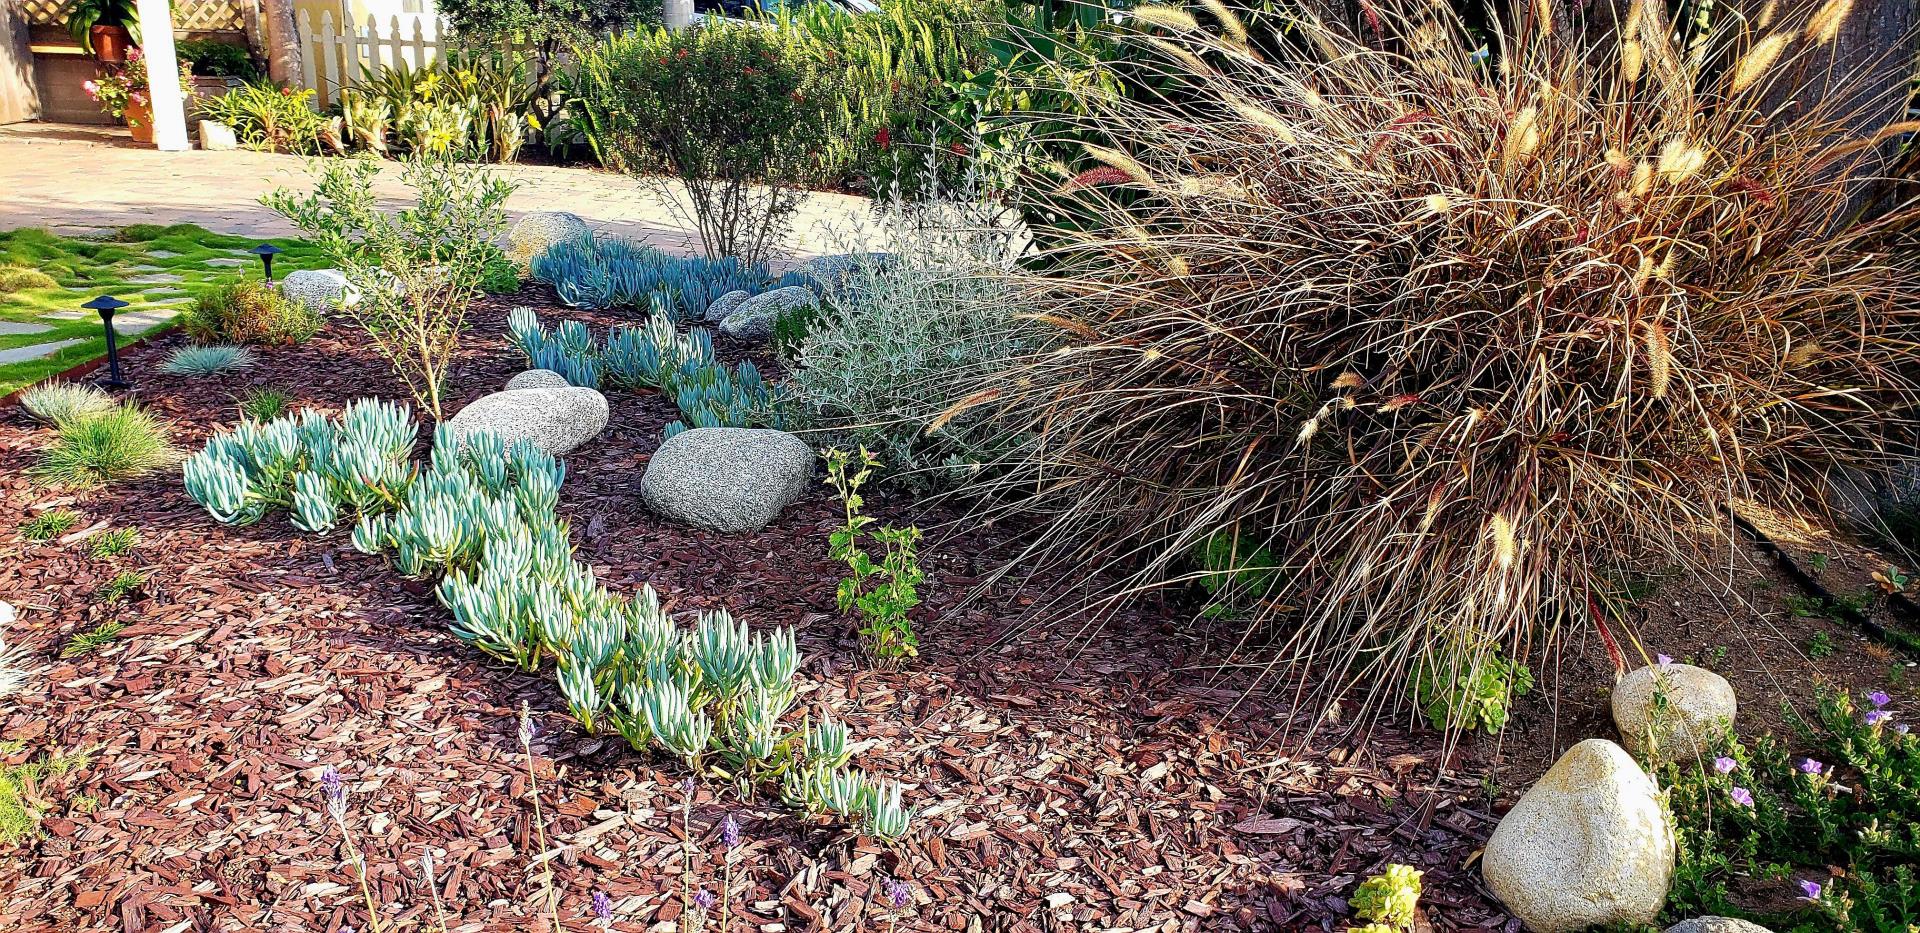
(83, 180)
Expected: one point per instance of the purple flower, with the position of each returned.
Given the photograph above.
(1901, 728)
(1879, 698)
(334, 791)
(1810, 766)
(1810, 890)
(602, 906)
(1725, 765)
(1741, 796)
(730, 832)
(527, 728)
(1878, 716)
(705, 900)
(1664, 660)
(686, 786)
(899, 893)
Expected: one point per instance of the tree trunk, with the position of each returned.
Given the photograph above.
(282, 41)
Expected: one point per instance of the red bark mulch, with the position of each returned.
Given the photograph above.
(1066, 780)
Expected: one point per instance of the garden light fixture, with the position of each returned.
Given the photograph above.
(107, 305)
(266, 252)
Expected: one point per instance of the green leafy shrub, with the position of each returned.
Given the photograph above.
(208, 360)
(883, 591)
(481, 520)
(125, 443)
(499, 277)
(244, 311)
(57, 403)
(22, 791)
(49, 525)
(110, 544)
(419, 268)
(20, 278)
(1469, 689)
(724, 109)
(212, 58)
(1767, 818)
(1234, 576)
(1388, 900)
(268, 117)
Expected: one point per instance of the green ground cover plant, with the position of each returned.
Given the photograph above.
(49, 525)
(23, 791)
(80, 269)
(1815, 830)
(126, 442)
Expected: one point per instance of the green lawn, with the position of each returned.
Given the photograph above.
(84, 268)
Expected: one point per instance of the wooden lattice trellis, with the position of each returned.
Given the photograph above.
(188, 15)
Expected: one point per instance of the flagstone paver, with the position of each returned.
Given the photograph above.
(89, 181)
(35, 351)
(17, 328)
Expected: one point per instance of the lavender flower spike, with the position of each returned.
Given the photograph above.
(899, 893)
(602, 906)
(730, 832)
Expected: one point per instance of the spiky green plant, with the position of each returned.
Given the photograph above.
(1450, 338)
(124, 443)
(263, 404)
(110, 544)
(209, 360)
(49, 525)
(58, 403)
(124, 585)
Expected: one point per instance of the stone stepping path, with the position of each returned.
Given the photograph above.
(156, 278)
(223, 261)
(16, 328)
(35, 351)
(139, 322)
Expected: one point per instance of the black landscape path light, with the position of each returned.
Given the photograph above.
(266, 252)
(106, 305)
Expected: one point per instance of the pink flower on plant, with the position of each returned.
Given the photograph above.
(1741, 796)
(1725, 765)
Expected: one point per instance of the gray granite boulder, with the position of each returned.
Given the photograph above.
(727, 479)
(834, 270)
(322, 291)
(725, 305)
(1589, 845)
(537, 379)
(1693, 713)
(537, 230)
(753, 319)
(555, 419)
(1716, 925)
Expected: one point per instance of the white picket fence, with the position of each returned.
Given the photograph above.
(333, 57)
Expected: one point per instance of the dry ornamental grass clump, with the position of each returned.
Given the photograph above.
(1439, 340)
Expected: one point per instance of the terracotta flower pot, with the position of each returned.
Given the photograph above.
(110, 43)
(139, 118)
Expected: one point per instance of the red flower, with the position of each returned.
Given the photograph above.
(883, 138)
(680, 54)
(958, 149)
(749, 70)
(1103, 175)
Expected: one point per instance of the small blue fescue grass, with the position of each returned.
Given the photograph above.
(210, 360)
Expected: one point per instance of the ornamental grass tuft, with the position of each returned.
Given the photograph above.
(1451, 333)
(124, 443)
(210, 360)
(58, 403)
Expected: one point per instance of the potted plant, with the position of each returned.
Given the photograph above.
(121, 91)
(105, 28)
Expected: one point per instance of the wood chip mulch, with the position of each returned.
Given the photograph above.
(1066, 780)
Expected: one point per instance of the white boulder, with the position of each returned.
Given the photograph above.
(555, 419)
(322, 291)
(216, 136)
(7, 615)
(1589, 845)
(1685, 710)
(537, 230)
(727, 479)
(537, 379)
